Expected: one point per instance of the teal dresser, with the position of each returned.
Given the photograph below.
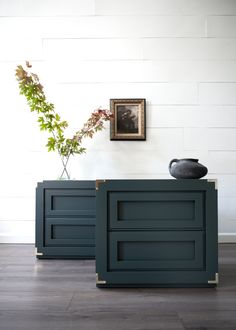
(156, 233)
(65, 219)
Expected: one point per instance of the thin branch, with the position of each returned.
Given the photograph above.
(49, 120)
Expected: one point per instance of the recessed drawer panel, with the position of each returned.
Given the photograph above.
(70, 232)
(69, 202)
(156, 210)
(165, 250)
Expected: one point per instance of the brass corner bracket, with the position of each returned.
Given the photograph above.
(215, 281)
(214, 181)
(98, 183)
(38, 253)
(99, 281)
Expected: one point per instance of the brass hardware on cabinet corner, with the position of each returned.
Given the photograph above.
(99, 281)
(98, 183)
(38, 253)
(215, 181)
(216, 280)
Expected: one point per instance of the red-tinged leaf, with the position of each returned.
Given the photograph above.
(27, 63)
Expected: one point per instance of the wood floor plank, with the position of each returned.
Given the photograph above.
(103, 320)
(28, 301)
(62, 295)
(209, 319)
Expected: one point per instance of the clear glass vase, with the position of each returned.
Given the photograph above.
(65, 174)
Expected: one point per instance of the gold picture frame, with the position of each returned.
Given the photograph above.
(129, 119)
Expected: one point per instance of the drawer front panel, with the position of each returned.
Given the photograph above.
(69, 202)
(153, 233)
(155, 210)
(65, 219)
(70, 232)
(156, 251)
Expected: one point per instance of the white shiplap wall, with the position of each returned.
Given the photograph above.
(178, 54)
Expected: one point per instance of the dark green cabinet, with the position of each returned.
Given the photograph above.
(65, 219)
(159, 233)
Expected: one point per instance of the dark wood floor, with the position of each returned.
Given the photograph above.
(61, 294)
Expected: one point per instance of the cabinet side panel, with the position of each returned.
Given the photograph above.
(39, 220)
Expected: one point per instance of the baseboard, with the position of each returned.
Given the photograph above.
(227, 238)
(16, 239)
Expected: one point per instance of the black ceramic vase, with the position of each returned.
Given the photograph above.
(187, 168)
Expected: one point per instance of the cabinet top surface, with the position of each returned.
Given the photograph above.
(168, 184)
(90, 184)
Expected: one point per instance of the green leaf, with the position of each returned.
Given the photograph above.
(49, 120)
(57, 117)
(40, 120)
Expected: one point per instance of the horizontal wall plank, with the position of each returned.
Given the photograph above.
(158, 139)
(155, 93)
(218, 116)
(20, 48)
(217, 93)
(153, 163)
(221, 26)
(13, 208)
(195, 138)
(227, 211)
(18, 187)
(17, 231)
(91, 49)
(37, 165)
(166, 7)
(226, 185)
(219, 139)
(141, 71)
(105, 27)
(47, 8)
(194, 116)
(227, 226)
(222, 162)
(114, 162)
(189, 49)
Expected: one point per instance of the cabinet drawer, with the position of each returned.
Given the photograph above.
(153, 233)
(156, 210)
(65, 219)
(70, 232)
(76, 202)
(156, 251)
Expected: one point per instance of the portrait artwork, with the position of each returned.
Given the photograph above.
(128, 121)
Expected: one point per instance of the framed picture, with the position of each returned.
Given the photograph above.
(129, 116)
